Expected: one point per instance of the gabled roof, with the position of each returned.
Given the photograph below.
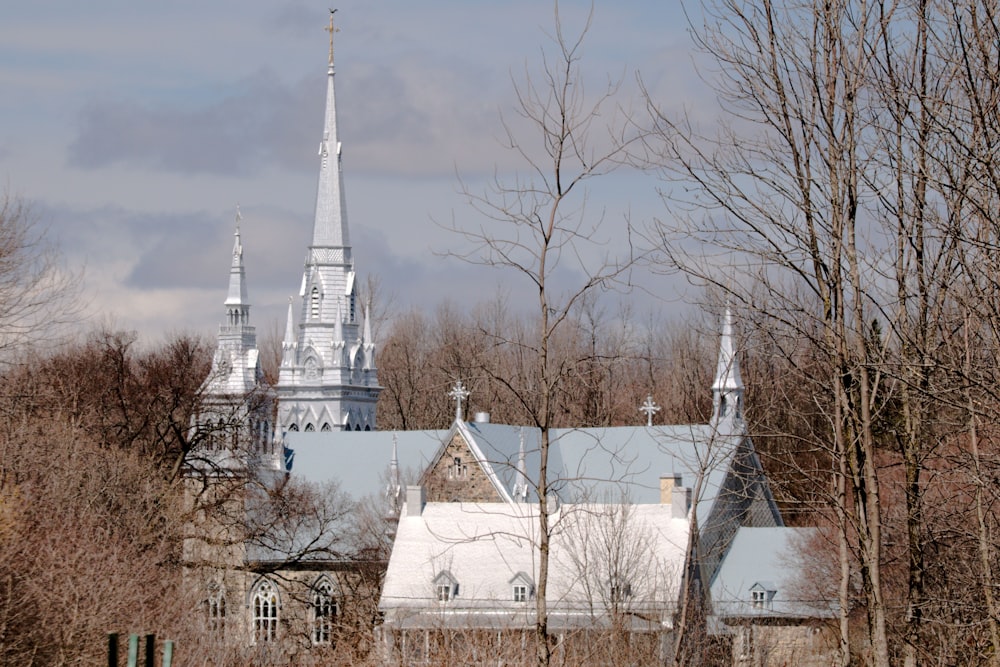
(771, 560)
(596, 464)
(487, 463)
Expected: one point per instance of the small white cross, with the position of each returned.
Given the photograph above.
(458, 393)
(650, 409)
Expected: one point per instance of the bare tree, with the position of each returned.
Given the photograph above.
(39, 297)
(537, 227)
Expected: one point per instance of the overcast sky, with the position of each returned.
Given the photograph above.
(135, 128)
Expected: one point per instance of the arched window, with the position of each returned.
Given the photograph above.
(294, 427)
(314, 303)
(216, 609)
(324, 609)
(326, 427)
(265, 612)
(310, 428)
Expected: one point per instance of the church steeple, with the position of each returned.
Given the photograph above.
(330, 224)
(236, 412)
(328, 378)
(237, 304)
(727, 389)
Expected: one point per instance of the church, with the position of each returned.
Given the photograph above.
(642, 513)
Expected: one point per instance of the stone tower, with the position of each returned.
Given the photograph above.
(327, 380)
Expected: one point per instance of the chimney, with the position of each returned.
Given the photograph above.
(680, 501)
(667, 485)
(415, 499)
(482, 418)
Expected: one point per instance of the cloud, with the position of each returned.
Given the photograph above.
(247, 128)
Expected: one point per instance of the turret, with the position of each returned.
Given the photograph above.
(727, 389)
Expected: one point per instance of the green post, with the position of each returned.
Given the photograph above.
(150, 651)
(168, 653)
(112, 649)
(133, 651)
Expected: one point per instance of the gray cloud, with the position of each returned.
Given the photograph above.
(241, 132)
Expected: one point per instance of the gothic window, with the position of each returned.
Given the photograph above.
(310, 428)
(326, 427)
(217, 610)
(265, 612)
(314, 304)
(324, 609)
(457, 469)
(294, 427)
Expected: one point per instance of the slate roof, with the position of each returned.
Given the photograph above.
(484, 547)
(767, 559)
(594, 464)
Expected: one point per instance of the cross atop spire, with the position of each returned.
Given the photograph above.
(458, 393)
(331, 29)
(650, 408)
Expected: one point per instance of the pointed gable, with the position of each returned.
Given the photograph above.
(460, 473)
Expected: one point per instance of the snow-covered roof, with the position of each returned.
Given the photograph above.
(771, 561)
(485, 547)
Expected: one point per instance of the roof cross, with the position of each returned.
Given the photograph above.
(650, 408)
(458, 393)
(330, 29)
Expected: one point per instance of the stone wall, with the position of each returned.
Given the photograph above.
(458, 477)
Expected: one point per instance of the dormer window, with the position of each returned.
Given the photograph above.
(761, 595)
(445, 587)
(522, 587)
(621, 593)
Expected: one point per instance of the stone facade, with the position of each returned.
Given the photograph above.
(806, 644)
(456, 476)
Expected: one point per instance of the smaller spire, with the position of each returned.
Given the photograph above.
(521, 485)
(237, 295)
(368, 322)
(289, 342)
(393, 486)
(650, 408)
(338, 325)
(458, 393)
(727, 389)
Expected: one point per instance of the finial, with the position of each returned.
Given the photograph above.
(331, 29)
(458, 393)
(239, 218)
(650, 408)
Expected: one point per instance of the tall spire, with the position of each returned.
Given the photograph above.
(330, 224)
(727, 389)
(328, 379)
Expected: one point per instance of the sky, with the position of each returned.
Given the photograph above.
(135, 129)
